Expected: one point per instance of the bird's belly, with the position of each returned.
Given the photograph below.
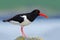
(25, 22)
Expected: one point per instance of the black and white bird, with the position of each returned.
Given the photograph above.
(25, 19)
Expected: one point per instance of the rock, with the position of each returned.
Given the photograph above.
(20, 38)
(29, 38)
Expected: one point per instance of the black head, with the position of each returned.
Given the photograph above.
(36, 11)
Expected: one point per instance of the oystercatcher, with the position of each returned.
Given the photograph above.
(25, 19)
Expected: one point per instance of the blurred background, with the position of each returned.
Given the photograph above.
(49, 29)
(11, 7)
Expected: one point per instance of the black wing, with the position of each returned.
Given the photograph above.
(16, 18)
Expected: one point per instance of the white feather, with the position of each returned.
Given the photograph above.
(25, 22)
(15, 22)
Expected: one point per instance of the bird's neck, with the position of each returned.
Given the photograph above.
(32, 16)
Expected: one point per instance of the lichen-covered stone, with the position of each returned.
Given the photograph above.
(20, 38)
(29, 38)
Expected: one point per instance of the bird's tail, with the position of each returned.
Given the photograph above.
(5, 20)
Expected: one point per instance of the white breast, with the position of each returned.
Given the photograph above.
(25, 22)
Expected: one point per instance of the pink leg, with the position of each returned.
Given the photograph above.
(23, 34)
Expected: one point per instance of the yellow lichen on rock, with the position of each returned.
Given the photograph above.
(20, 38)
(29, 38)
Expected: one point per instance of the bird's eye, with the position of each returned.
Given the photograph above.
(36, 11)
